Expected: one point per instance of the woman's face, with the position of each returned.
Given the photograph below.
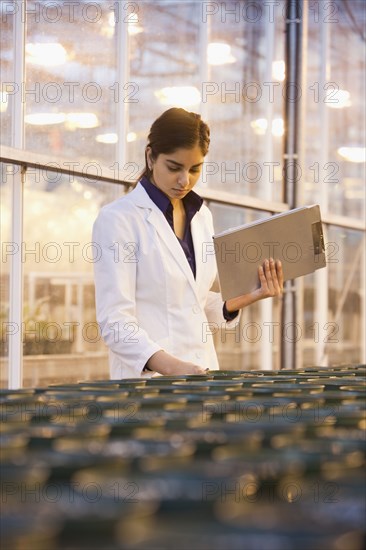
(176, 173)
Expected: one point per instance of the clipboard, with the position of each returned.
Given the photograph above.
(294, 237)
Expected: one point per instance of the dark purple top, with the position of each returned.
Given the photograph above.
(192, 203)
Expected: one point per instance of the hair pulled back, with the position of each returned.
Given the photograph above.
(176, 129)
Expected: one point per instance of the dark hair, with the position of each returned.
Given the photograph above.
(176, 128)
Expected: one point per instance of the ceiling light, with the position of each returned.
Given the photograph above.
(45, 54)
(107, 138)
(278, 127)
(219, 53)
(132, 26)
(45, 119)
(338, 99)
(112, 19)
(260, 126)
(82, 120)
(180, 96)
(353, 154)
(279, 70)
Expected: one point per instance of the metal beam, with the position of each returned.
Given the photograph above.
(290, 157)
(28, 159)
(89, 170)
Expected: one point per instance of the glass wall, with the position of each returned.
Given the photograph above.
(98, 73)
(243, 97)
(335, 108)
(6, 329)
(90, 99)
(224, 60)
(164, 66)
(8, 85)
(345, 331)
(59, 308)
(71, 81)
(334, 133)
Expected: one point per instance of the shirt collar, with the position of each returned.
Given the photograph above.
(192, 202)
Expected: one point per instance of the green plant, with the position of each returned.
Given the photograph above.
(4, 316)
(35, 321)
(40, 335)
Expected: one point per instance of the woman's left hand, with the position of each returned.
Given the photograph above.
(271, 281)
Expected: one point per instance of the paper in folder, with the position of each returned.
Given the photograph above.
(294, 237)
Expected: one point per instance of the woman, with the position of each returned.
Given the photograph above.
(155, 296)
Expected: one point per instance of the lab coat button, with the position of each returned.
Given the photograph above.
(198, 355)
(196, 308)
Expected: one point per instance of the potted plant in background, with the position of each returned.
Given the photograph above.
(4, 343)
(42, 336)
(34, 325)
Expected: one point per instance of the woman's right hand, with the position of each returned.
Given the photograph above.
(167, 364)
(189, 368)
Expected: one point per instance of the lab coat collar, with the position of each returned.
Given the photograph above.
(158, 220)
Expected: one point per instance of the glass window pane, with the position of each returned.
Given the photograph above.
(71, 81)
(6, 171)
(164, 66)
(60, 329)
(8, 87)
(342, 332)
(335, 121)
(244, 98)
(345, 294)
(216, 64)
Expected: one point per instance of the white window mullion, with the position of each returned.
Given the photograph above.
(15, 366)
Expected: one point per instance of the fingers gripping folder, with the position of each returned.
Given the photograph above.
(294, 237)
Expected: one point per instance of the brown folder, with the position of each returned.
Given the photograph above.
(294, 237)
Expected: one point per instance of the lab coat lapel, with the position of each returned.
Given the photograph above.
(172, 245)
(199, 242)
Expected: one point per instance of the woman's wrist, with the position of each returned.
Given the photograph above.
(241, 301)
(162, 362)
(166, 364)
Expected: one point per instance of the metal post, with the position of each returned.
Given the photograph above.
(204, 33)
(123, 75)
(300, 286)
(266, 306)
(204, 74)
(292, 113)
(321, 276)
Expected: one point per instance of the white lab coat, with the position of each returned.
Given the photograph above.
(147, 298)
